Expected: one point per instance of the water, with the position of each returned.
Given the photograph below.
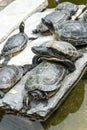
(72, 115)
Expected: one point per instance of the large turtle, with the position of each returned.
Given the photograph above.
(43, 82)
(71, 31)
(62, 12)
(14, 44)
(57, 51)
(10, 75)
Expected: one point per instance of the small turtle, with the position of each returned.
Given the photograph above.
(63, 12)
(71, 7)
(71, 31)
(10, 75)
(14, 44)
(58, 51)
(43, 82)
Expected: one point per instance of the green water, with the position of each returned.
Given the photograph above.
(72, 115)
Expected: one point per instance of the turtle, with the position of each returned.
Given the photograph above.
(71, 31)
(42, 83)
(10, 75)
(14, 44)
(62, 12)
(56, 51)
(71, 7)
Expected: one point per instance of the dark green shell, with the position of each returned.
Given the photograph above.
(74, 32)
(9, 76)
(14, 44)
(71, 7)
(46, 77)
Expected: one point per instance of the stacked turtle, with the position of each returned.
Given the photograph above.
(45, 80)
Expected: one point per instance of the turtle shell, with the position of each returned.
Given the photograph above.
(56, 18)
(57, 49)
(71, 7)
(45, 77)
(15, 44)
(9, 76)
(74, 32)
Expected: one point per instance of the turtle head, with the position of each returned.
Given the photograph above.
(41, 51)
(36, 95)
(48, 24)
(21, 27)
(45, 53)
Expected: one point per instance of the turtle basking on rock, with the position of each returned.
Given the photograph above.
(64, 11)
(58, 59)
(10, 75)
(14, 44)
(57, 51)
(71, 31)
(43, 82)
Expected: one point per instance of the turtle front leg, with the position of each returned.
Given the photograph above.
(7, 58)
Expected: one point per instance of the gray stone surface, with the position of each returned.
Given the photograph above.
(26, 55)
(14, 98)
(17, 11)
(4, 3)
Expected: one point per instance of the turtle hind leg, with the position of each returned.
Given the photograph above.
(7, 58)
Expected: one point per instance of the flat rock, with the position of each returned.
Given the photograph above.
(40, 110)
(17, 11)
(13, 100)
(26, 55)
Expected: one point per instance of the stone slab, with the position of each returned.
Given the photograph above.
(40, 110)
(67, 85)
(25, 56)
(17, 11)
